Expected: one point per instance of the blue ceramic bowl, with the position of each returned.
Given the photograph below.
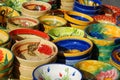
(73, 49)
(86, 11)
(76, 3)
(56, 72)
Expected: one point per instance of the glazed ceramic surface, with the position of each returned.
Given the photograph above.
(101, 70)
(56, 72)
(65, 31)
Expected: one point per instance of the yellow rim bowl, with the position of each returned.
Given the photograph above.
(76, 21)
(75, 53)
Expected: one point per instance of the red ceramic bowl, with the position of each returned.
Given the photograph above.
(19, 34)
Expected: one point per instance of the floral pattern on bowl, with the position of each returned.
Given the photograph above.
(56, 72)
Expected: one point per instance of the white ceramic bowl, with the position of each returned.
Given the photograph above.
(56, 72)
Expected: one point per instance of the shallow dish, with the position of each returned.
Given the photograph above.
(56, 71)
(100, 69)
(65, 31)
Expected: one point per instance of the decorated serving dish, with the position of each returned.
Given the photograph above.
(102, 71)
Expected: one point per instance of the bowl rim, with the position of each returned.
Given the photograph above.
(29, 31)
(77, 38)
(55, 64)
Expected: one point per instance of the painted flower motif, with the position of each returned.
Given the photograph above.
(108, 75)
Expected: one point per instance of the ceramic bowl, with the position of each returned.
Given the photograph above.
(22, 22)
(103, 34)
(88, 7)
(85, 11)
(34, 52)
(78, 18)
(56, 72)
(35, 8)
(115, 58)
(105, 19)
(66, 31)
(20, 34)
(73, 49)
(51, 21)
(6, 59)
(100, 69)
(6, 12)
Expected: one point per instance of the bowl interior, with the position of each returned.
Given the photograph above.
(56, 72)
(103, 31)
(72, 45)
(65, 31)
(34, 49)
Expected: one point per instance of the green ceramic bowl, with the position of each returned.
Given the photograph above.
(65, 31)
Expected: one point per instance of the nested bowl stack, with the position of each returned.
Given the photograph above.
(72, 49)
(35, 8)
(56, 72)
(31, 53)
(19, 22)
(6, 63)
(105, 37)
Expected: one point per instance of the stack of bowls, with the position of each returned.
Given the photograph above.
(52, 21)
(6, 63)
(35, 8)
(30, 53)
(67, 4)
(22, 22)
(89, 7)
(56, 72)
(72, 49)
(104, 36)
(77, 19)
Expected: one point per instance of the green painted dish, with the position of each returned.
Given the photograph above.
(65, 31)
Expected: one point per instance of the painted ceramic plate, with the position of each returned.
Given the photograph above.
(65, 31)
(102, 71)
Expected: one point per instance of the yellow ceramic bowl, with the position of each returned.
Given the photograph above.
(68, 42)
(35, 13)
(77, 21)
(34, 52)
(50, 22)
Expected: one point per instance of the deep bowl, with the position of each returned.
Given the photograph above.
(20, 34)
(56, 72)
(22, 22)
(86, 11)
(77, 3)
(35, 8)
(65, 31)
(34, 52)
